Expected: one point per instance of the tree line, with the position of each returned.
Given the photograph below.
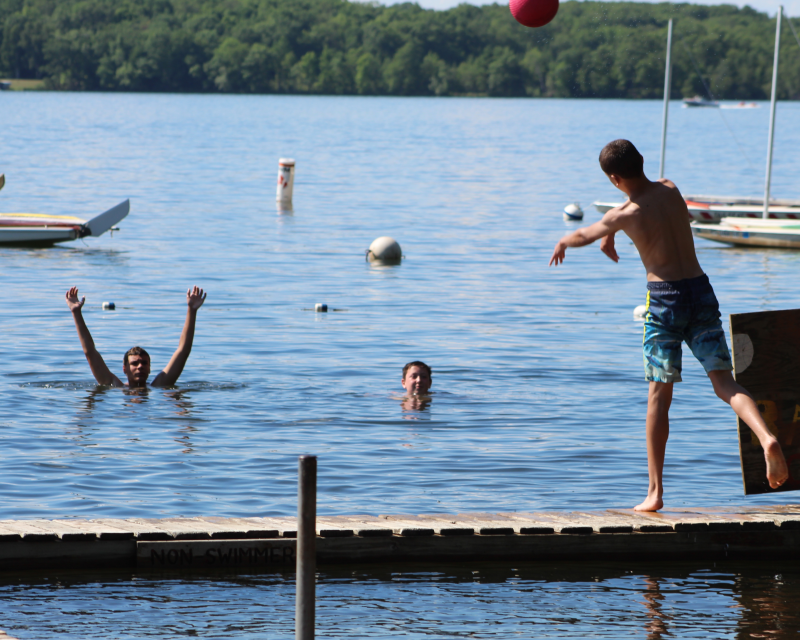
(590, 49)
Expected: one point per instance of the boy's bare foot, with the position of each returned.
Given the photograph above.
(651, 503)
(777, 471)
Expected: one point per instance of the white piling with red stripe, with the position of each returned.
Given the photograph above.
(285, 180)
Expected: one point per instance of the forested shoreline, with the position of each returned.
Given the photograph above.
(591, 49)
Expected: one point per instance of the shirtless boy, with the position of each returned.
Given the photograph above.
(681, 306)
(136, 363)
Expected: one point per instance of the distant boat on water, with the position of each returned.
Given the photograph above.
(699, 101)
(740, 105)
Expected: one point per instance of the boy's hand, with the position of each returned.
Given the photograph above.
(72, 300)
(607, 247)
(558, 254)
(194, 298)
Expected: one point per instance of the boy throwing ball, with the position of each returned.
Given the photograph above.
(681, 306)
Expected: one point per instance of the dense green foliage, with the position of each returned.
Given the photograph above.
(591, 49)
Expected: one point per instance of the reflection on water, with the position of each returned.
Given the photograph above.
(415, 407)
(471, 601)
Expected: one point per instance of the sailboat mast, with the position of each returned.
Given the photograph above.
(772, 113)
(667, 86)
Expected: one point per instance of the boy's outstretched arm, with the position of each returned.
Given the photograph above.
(605, 228)
(101, 372)
(169, 376)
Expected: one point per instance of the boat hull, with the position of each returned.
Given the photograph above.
(749, 235)
(20, 235)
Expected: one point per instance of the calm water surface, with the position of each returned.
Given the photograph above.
(539, 393)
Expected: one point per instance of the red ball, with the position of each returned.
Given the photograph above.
(533, 13)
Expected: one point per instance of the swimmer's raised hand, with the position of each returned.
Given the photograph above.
(72, 300)
(194, 298)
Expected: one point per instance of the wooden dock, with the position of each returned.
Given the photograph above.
(175, 544)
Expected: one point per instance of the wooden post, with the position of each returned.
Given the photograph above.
(306, 547)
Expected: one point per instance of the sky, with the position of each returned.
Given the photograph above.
(790, 7)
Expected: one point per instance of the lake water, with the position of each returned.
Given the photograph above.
(539, 393)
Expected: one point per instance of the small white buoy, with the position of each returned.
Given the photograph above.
(321, 307)
(285, 179)
(640, 312)
(573, 212)
(385, 250)
(109, 306)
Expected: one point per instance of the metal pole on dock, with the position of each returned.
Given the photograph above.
(772, 113)
(306, 547)
(667, 86)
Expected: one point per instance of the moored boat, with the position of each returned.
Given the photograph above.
(43, 229)
(714, 208)
(751, 232)
(699, 101)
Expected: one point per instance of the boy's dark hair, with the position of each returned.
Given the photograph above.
(135, 351)
(417, 363)
(622, 159)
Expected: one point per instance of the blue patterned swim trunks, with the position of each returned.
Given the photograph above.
(684, 310)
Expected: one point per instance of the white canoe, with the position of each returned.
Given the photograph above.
(753, 233)
(714, 208)
(43, 229)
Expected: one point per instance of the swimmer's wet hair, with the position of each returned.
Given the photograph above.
(622, 159)
(417, 363)
(135, 351)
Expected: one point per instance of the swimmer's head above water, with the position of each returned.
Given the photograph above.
(417, 378)
(136, 366)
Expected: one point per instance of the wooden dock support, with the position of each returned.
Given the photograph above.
(306, 547)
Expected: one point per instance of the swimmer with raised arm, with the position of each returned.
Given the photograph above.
(136, 362)
(681, 306)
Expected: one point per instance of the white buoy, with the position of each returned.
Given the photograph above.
(385, 250)
(573, 212)
(321, 307)
(640, 312)
(285, 179)
(109, 306)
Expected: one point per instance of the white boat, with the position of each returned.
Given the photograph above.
(756, 233)
(713, 208)
(699, 101)
(43, 229)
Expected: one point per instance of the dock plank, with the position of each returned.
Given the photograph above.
(523, 524)
(411, 526)
(9, 535)
(286, 527)
(538, 522)
(101, 531)
(140, 530)
(63, 530)
(368, 526)
(29, 531)
(689, 521)
(240, 528)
